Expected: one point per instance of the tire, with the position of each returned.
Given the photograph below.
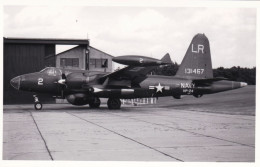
(113, 104)
(38, 106)
(95, 103)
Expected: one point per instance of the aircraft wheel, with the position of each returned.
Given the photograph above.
(38, 105)
(113, 104)
(95, 103)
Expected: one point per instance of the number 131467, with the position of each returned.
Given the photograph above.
(194, 71)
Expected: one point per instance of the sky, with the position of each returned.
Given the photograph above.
(146, 31)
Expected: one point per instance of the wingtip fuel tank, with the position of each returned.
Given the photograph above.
(135, 60)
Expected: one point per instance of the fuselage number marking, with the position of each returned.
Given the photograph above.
(141, 60)
(40, 81)
(194, 71)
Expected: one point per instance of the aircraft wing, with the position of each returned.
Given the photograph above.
(127, 77)
(136, 72)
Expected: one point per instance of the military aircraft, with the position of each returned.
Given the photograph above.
(194, 77)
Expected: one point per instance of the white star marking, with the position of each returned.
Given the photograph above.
(159, 88)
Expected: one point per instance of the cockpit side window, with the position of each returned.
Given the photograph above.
(58, 71)
(51, 71)
(43, 70)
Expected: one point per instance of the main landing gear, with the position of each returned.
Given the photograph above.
(94, 103)
(113, 103)
(37, 103)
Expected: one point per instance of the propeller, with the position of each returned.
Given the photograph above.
(62, 82)
(75, 81)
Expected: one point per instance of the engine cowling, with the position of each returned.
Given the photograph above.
(77, 99)
(78, 80)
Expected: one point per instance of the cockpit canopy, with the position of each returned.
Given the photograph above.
(51, 71)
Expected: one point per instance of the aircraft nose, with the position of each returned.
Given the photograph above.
(15, 82)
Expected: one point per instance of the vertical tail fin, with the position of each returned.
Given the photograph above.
(166, 59)
(197, 60)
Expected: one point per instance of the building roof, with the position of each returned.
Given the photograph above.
(101, 51)
(47, 41)
(79, 46)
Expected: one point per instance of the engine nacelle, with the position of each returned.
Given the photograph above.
(77, 80)
(77, 99)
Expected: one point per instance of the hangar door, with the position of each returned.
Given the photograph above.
(21, 59)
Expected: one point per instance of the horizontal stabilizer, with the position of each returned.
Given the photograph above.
(208, 80)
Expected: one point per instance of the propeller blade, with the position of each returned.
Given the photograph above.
(63, 79)
(63, 76)
(62, 82)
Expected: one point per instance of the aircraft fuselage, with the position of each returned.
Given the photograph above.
(152, 86)
(159, 86)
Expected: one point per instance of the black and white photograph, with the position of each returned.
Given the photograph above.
(129, 82)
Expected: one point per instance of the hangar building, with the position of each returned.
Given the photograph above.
(75, 58)
(24, 55)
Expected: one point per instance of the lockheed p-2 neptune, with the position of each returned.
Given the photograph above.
(194, 77)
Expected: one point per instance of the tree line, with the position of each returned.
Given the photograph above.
(235, 73)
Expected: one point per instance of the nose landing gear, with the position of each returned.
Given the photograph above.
(37, 103)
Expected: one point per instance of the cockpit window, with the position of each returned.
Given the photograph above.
(52, 71)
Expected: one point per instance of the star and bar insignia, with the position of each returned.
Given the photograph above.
(159, 88)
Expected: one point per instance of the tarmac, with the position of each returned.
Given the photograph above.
(166, 131)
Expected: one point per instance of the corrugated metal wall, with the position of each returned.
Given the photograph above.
(49, 57)
(21, 59)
